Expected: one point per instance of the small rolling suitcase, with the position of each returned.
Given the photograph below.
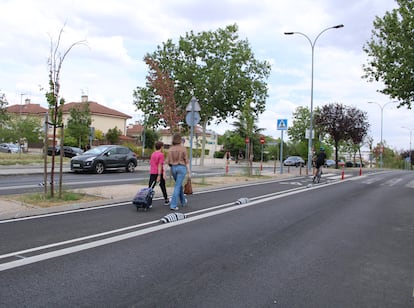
(143, 198)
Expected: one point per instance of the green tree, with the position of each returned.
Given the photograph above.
(113, 135)
(151, 137)
(296, 132)
(218, 68)
(391, 52)
(17, 128)
(3, 111)
(78, 125)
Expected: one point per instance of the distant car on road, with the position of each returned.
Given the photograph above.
(331, 163)
(105, 157)
(67, 151)
(294, 161)
(356, 164)
(9, 148)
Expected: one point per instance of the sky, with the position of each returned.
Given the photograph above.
(118, 34)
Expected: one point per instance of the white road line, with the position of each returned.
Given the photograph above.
(410, 184)
(392, 182)
(121, 237)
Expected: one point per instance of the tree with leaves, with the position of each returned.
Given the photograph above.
(218, 68)
(16, 126)
(113, 135)
(391, 52)
(331, 119)
(3, 111)
(342, 123)
(358, 128)
(78, 124)
(163, 87)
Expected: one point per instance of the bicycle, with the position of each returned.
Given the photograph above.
(317, 177)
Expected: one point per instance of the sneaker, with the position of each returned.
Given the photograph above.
(174, 208)
(167, 202)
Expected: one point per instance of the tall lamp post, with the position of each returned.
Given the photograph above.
(312, 43)
(411, 156)
(382, 121)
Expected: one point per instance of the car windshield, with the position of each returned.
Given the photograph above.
(96, 151)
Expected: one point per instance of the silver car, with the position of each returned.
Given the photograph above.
(294, 161)
(9, 148)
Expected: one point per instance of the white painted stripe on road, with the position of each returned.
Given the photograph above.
(129, 202)
(392, 182)
(106, 241)
(410, 184)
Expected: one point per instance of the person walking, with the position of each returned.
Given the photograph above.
(319, 161)
(157, 172)
(177, 159)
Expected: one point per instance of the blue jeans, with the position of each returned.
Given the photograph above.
(178, 172)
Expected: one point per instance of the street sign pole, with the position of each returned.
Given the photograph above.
(192, 119)
(281, 152)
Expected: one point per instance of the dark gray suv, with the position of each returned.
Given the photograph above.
(105, 157)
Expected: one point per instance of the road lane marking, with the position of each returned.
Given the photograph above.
(125, 236)
(410, 184)
(392, 182)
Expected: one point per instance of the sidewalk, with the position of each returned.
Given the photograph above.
(10, 209)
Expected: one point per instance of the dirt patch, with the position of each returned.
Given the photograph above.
(36, 201)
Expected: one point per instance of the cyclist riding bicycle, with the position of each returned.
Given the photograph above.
(319, 162)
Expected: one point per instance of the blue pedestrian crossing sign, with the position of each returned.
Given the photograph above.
(282, 124)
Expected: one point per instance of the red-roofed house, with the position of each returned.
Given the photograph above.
(103, 118)
(27, 109)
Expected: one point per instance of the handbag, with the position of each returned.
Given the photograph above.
(188, 188)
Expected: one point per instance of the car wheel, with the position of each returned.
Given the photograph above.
(130, 167)
(99, 168)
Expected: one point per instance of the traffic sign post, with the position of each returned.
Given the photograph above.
(262, 141)
(192, 118)
(281, 125)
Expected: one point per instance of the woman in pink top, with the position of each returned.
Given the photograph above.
(157, 172)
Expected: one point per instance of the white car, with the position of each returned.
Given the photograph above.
(294, 161)
(9, 148)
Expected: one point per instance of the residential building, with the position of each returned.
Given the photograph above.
(135, 131)
(103, 118)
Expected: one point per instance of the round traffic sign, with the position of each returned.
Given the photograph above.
(189, 118)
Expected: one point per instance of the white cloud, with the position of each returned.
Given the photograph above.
(120, 33)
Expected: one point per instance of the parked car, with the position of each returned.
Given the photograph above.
(349, 164)
(67, 151)
(356, 164)
(9, 148)
(330, 163)
(294, 161)
(105, 157)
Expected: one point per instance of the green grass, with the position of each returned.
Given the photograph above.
(8, 159)
(42, 200)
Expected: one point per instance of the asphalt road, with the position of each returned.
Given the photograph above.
(336, 244)
(24, 183)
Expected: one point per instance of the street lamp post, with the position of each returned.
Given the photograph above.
(311, 103)
(411, 156)
(382, 121)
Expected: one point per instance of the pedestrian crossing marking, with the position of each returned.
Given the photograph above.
(392, 182)
(410, 184)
